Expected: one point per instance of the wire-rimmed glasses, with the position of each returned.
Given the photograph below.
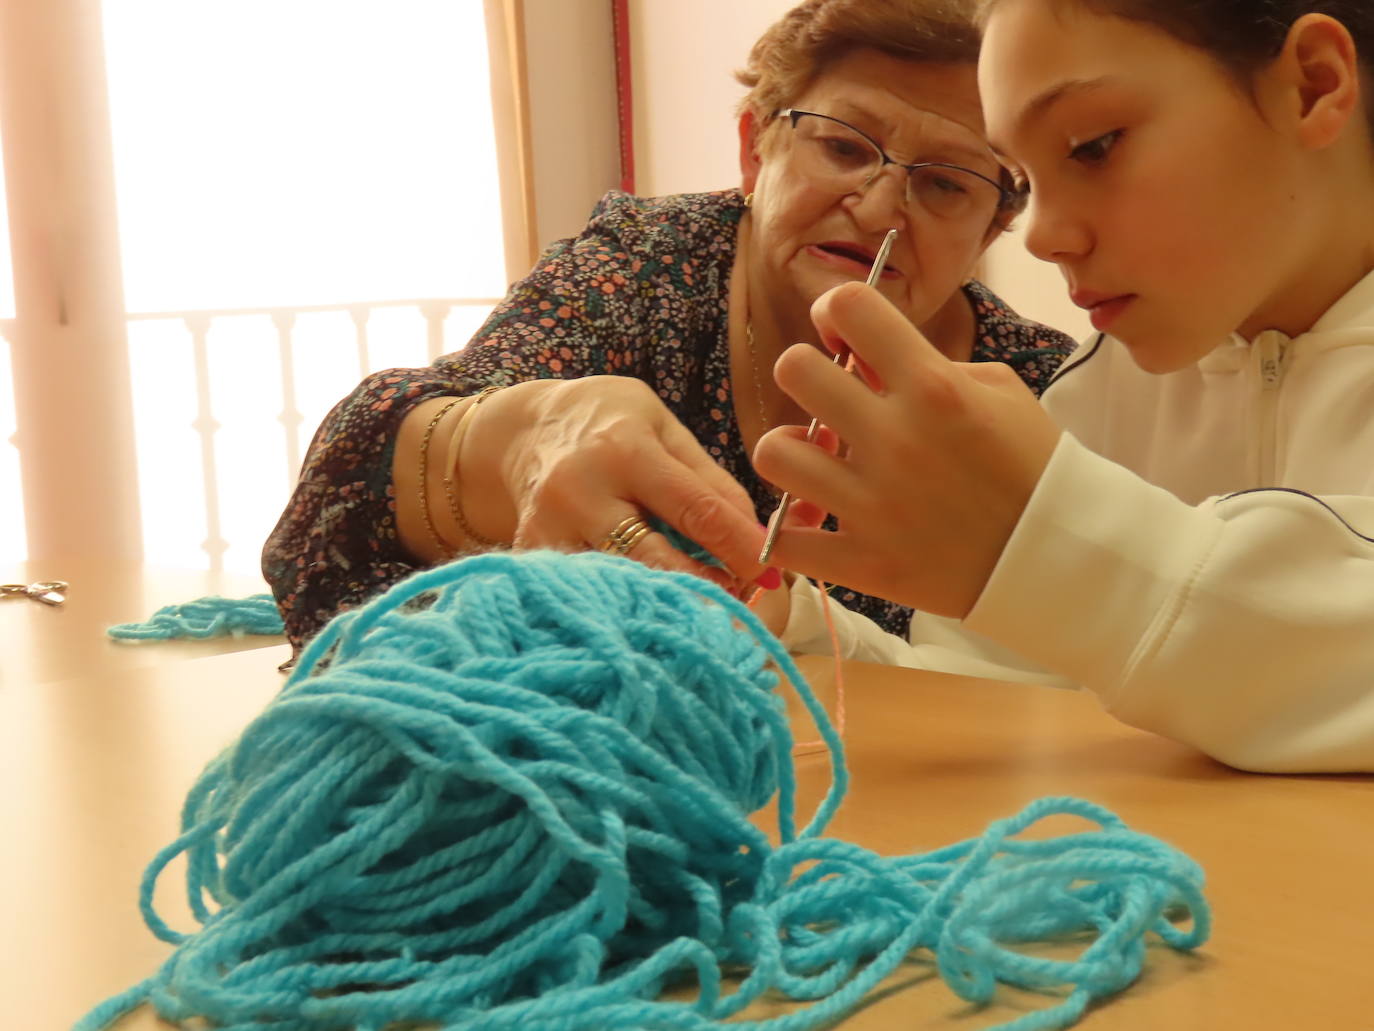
(834, 153)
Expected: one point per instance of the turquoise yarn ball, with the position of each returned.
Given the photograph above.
(515, 792)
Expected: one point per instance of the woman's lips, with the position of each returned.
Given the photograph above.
(853, 258)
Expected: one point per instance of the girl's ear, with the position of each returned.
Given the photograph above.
(749, 163)
(1322, 69)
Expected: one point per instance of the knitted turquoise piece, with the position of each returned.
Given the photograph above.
(514, 792)
(212, 616)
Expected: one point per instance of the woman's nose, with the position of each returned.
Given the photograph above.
(881, 204)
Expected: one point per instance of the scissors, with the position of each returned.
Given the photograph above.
(49, 592)
(775, 524)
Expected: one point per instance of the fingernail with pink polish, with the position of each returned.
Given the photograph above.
(770, 580)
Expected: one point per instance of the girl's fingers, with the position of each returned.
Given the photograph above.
(803, 513)
(846, 407)
(785, 458)
(834, 557)
(858, 319)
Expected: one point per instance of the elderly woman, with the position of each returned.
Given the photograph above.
(619, 389)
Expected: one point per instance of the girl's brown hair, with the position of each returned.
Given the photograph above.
(1243, 35)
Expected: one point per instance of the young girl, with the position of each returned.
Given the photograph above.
(1186, 526)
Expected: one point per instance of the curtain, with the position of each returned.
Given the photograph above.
(514, 151)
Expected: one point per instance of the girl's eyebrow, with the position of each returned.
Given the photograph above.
(1041, 104)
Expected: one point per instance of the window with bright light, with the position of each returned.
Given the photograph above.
(308, 157)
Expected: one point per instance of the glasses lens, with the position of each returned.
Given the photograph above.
(952, 192)
(833, 154)
(836, 156)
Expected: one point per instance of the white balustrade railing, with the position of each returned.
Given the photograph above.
(447, 324)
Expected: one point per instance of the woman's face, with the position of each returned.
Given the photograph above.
(1166, 194)
(807, 236)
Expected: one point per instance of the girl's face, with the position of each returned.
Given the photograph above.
(1166, 194)
(810, 235)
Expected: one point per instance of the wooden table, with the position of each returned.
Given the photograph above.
(93, 771)
(39, 643)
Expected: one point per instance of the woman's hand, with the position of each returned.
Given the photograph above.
(561, 463)
(942, 458)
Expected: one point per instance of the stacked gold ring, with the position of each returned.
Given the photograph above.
(624, 537)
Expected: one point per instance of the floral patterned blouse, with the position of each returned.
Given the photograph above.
(642, 291)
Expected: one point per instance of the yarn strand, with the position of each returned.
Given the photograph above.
(211, 616)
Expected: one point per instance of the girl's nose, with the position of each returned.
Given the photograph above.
(1055, 232)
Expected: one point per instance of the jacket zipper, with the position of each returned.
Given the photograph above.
(1270, 349)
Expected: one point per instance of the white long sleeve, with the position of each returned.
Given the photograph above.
(937, 644)
(1243, 626)
(1199, 551)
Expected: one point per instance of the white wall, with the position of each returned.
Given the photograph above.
(1033, 287)
(683, 57)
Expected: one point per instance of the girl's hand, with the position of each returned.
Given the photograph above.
(561, 463)
(942, 458)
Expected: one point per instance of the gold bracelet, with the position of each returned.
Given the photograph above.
(444, 549)
(455, 448)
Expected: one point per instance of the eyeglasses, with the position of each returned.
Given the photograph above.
(836, 154)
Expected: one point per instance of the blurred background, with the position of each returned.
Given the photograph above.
(221, 215)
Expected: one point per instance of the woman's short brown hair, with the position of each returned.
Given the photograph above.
(815, 33)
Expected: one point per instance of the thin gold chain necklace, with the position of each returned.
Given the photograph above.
(754, 371)
(758, 392)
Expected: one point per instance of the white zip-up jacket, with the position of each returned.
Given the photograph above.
(1199, 551)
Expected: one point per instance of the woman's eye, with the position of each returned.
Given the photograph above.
(844, 150)
(947, 185)
(1095, 151)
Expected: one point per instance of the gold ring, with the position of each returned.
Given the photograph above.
(630, 531)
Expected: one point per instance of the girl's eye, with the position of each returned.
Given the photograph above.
(1095, 151)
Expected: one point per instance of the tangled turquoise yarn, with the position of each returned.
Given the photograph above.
(211, 616)
(514, 792)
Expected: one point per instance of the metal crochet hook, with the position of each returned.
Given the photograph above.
(775, 523)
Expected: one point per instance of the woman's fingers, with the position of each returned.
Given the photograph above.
(584, 498)
(635, 537)
(605, 450)
(679, 442)
(690, 503)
